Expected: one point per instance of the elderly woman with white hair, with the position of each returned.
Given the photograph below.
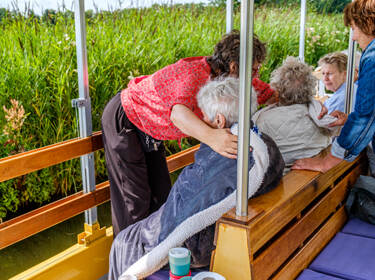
(203, 192)
(218, 101)
(293, 121)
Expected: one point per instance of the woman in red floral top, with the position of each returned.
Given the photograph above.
(163, 106)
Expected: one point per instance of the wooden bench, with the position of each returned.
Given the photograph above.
(286, 228)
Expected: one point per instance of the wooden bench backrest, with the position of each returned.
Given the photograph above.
(49, 215)
(281, 224)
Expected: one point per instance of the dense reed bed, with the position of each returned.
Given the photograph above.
(38, 69)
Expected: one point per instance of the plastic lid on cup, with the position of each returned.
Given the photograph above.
(179, 252)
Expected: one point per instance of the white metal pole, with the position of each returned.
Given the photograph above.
(350, 74)
(246, 60)
(229, 18)
(83, 104)
(302, 31)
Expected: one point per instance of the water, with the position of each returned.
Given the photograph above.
(35, 249)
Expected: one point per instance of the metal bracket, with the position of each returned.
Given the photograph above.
(79, 102)
(91, 233)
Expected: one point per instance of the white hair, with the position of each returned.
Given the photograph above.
(222, 97)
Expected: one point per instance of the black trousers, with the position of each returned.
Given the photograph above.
(139, 180)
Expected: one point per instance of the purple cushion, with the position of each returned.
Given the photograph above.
(308, 274)
(159, 275)
(347, 256)
(358, 227)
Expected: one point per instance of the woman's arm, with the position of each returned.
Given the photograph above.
(220, 140)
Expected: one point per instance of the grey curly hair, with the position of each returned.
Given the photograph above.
(294, 82)
(220, 96)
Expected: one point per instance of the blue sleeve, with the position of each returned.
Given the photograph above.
(359, 129)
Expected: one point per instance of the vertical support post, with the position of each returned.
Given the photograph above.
(301, 53)
(246, 61)
(350, 74)
(229, 19)
(84, 105)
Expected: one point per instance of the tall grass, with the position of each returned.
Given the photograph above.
(38, 68)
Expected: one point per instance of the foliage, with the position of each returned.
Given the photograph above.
(321, 6)
(38, 68)
(279, 27)
(3, 13)
(329, 6)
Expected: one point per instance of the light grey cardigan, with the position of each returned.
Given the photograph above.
(296, 129)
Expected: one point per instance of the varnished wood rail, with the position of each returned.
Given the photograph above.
(56, 212)
(30, 161)
(49, 215)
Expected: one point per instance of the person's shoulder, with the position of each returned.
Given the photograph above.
(193, 59)
(284, 114)
(370, 47)
(368, 56)
(283, 109)
(196, 64)
(269, 116)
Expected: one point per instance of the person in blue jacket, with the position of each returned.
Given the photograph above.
(359, 127)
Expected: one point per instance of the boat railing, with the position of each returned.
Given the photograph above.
(44, 217)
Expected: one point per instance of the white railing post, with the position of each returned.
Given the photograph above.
(83, 103)
(350, 74)
(301, 52)
(246, 61)
(229, 18)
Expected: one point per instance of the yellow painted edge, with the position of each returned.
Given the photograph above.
(77, 262)
(231, 257)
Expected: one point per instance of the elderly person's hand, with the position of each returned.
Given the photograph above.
(323, 112)
(341, 118)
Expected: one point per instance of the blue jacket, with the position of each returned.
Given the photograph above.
(359, 129)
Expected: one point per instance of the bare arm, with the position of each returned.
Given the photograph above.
(220, 140)
(323, 112)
